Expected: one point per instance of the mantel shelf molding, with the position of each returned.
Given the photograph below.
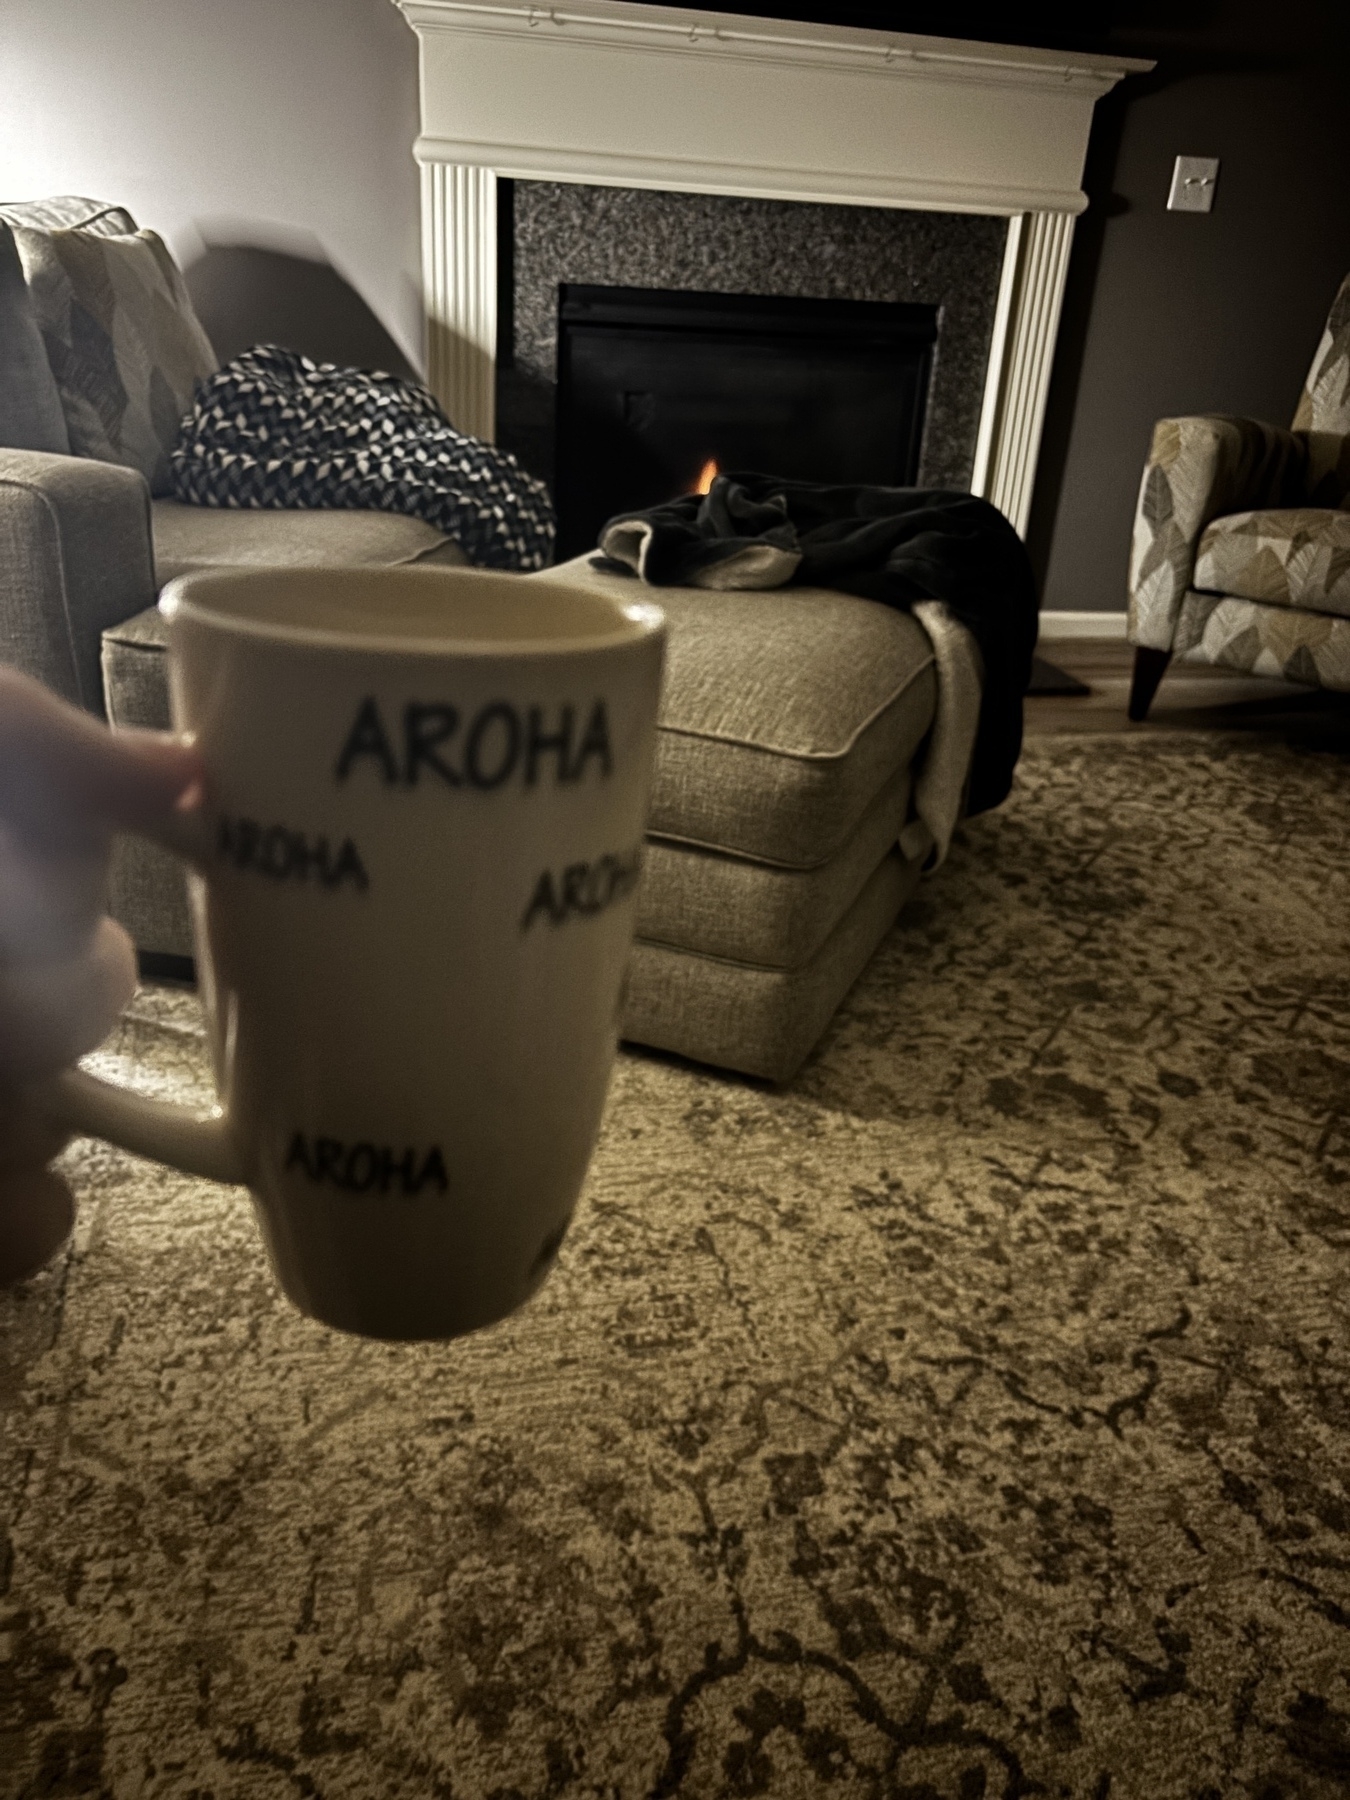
(614, 94)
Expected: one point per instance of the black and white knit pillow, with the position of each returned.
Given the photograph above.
(273, 429)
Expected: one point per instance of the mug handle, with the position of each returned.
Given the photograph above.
(199, 1141)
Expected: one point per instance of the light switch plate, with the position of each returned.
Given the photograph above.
(1193, 182)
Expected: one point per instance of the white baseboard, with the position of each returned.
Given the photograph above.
(1083, 625)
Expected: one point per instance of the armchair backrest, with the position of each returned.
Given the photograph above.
(1325, 401)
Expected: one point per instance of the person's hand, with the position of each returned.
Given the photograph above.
(67, 784)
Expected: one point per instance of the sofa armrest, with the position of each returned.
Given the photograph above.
(1199, 468)
(75, 557)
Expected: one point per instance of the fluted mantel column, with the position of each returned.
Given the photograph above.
(459, 279)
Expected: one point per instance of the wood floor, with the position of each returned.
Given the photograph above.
(1193, 698)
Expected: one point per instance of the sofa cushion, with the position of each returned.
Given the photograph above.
(783, 714)
(30, 406)
(1282, 641)
(135, 673)
(122, 341)
(1295, 557)
(189, 538)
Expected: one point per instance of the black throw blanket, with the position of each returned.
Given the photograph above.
(895, 545)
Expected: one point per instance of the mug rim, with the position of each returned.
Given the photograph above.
(189, 596)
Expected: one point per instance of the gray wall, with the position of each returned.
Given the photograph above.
(269, 141)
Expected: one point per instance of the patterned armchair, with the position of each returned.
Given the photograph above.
(1241, 551)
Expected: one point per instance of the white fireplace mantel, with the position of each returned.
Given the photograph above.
(644, 96)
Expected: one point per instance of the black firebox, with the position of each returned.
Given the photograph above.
(656, 388)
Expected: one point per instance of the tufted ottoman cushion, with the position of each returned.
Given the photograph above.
(784, 712)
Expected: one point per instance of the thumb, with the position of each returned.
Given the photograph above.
(137, 777)
(62, 771)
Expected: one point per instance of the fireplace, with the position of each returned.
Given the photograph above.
(604, 95)
(657, 388)
(907, 298)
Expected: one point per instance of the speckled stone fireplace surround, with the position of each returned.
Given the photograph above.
(731, 244)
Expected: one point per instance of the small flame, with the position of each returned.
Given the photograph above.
(707, 475)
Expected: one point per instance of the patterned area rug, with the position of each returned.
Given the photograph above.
(970, 1418)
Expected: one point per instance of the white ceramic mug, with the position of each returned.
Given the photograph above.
(413, 896)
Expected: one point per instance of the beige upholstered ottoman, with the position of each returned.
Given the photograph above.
(789, 724)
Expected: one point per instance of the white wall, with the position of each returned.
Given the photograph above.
(286, 124)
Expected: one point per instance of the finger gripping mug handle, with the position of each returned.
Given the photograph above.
(198, 1141)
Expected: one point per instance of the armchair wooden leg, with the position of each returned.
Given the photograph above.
(1149, 668)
